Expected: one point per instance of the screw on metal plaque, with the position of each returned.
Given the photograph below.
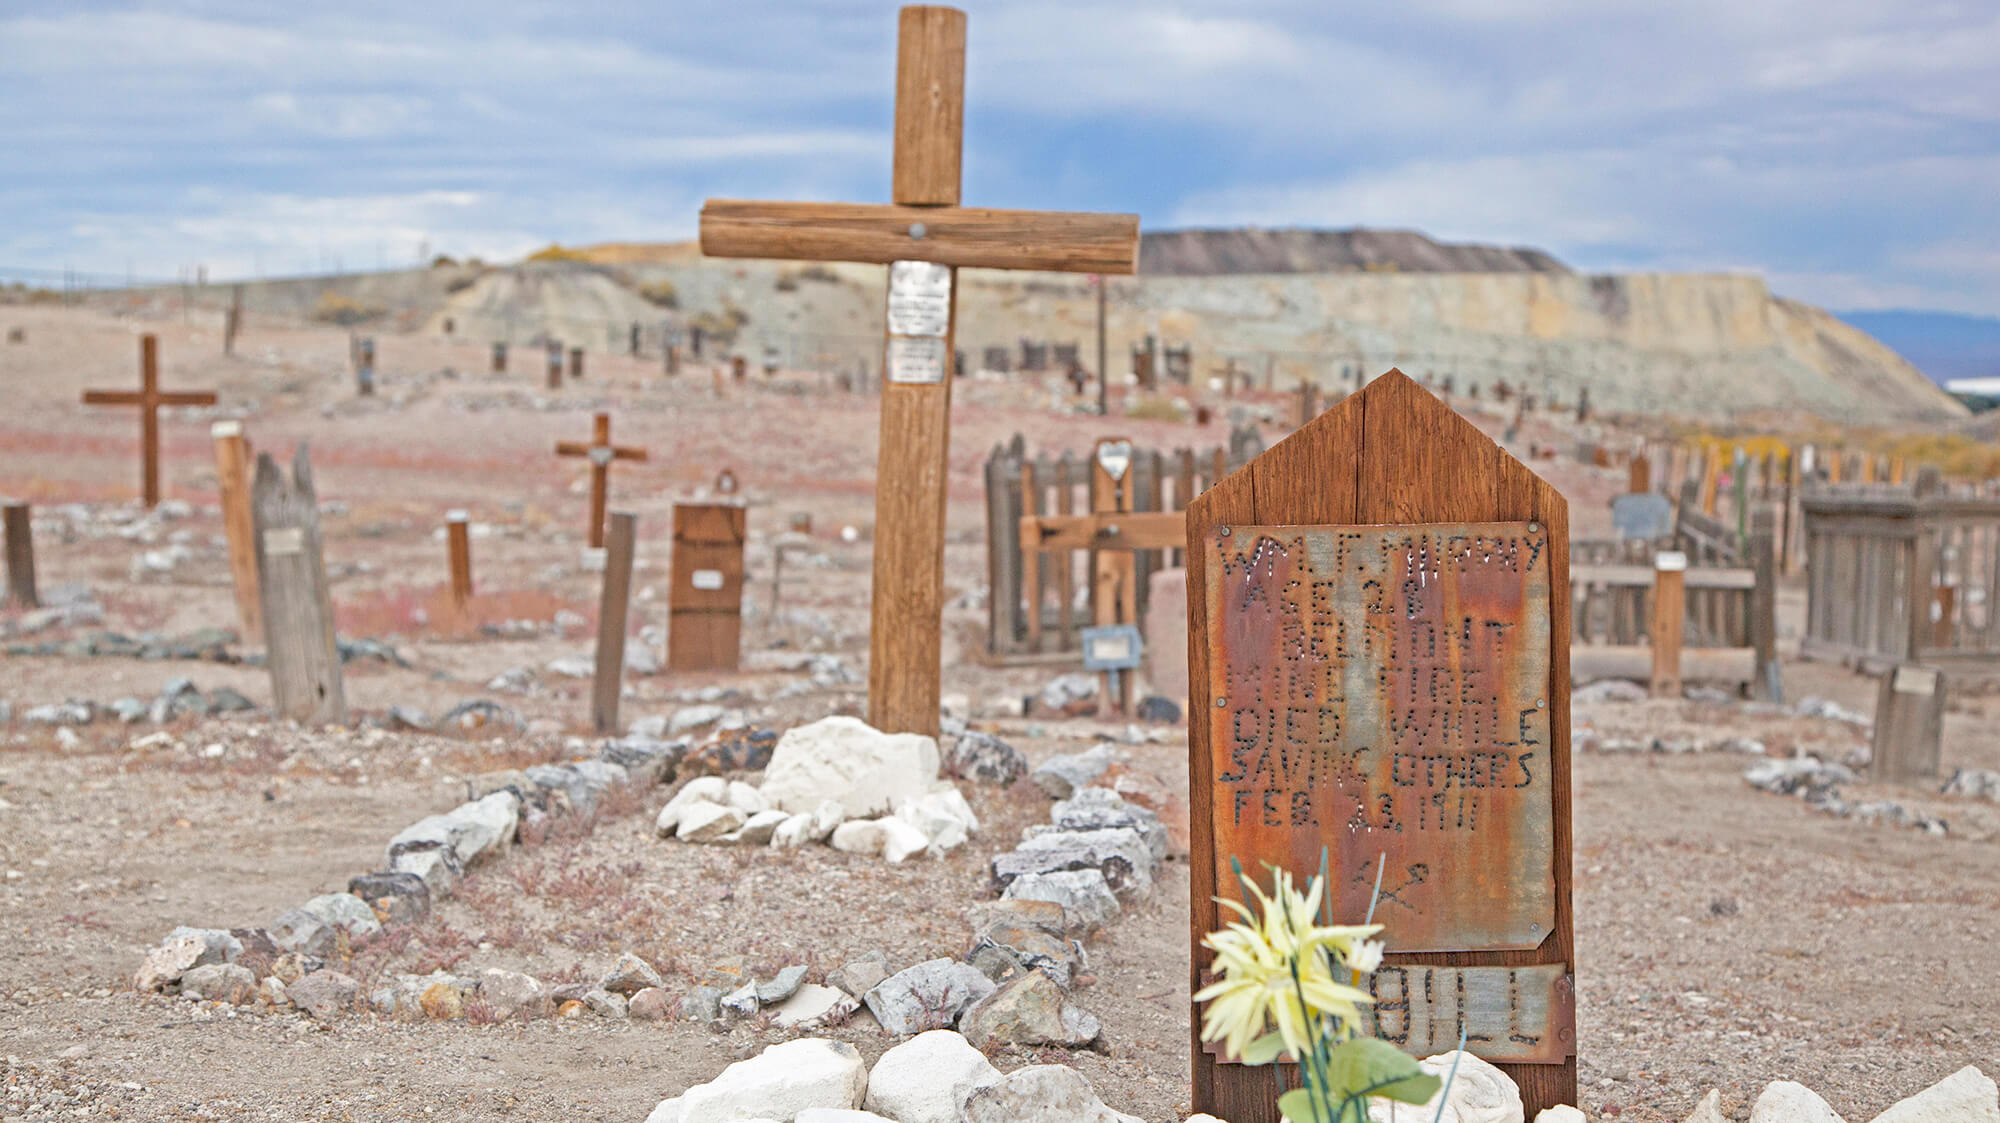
(1221, 702)
(917, 230)
(1534, 528)
(1225, 532)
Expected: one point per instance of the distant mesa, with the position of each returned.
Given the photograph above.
(1211, 253)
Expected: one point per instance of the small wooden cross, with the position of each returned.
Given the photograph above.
(149, 399)
(924, 236)
(600, 452)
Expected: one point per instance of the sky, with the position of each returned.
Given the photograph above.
(1846, 150)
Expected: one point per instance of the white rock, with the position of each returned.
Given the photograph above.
(780, 1082)
(900, 840)
(668, 1111)
(1786, 1102)
(924, 1079)
(839, 1115)
(1561, 1113)
(859, 836)
(943, 816)
(1479, 1093)
(1709, 1110)
(842, 758)
(758, 829)
(346, 911)
(794, 832)
(811, 1006)
(745, 798)
(471, 829)
(710, 789)
(168, 962)
(702, 821)
(1966, 1096)
(689, 718)
(829, 814)
(572, 666)
(1202, 1117)
(1039, 1094)
(1085, 896)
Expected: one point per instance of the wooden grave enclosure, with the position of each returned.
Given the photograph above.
(1038, 518)
(301, 651)
(705, 605)
(149, 398)
(1397, 519)
(1728, 629)
(1903, 574)
(924, 235)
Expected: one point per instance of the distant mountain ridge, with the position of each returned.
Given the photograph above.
(1242, 250)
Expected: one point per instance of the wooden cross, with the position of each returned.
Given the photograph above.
(149, 399)
(924, 236)
(600, 452)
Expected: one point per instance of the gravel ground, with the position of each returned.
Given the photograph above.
(1726, 937)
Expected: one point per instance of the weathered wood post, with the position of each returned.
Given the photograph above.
(1639, 478)
(634, 351)
(1308, 401)
(576, 362)
(1114, 573)
(1668, 620)
(364, 366)
(232, 320)
(500, 357)
(1302, 602)
(297, 609)
(555, 363)
(611, 621)
(1768, 683)
(458, 544)
(232, 480)
(705, 606)
(1909, 725)
(20, 555)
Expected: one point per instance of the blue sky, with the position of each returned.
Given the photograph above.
(1848, 150)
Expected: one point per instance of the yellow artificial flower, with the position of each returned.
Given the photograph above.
(1269, 962)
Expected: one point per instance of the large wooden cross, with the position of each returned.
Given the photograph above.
(149, 399)
(924, 236)
(600, 452)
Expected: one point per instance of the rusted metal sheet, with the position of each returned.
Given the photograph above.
(1382, 692)
(1509, 1015)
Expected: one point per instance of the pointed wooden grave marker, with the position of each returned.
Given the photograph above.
(924, 236)
(600, 452)
(1379, 671)
(149, 398)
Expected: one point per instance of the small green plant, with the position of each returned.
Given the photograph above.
(1290, 989)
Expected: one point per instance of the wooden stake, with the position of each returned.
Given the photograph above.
(611, 620)
(1669, 611)
(232, 477)
(1768, 684)
(149, 399)
(364, 367)
(20, 555)
(1909, 725)
(232, 321)
(1640, 475)
(458, 540)
(500, 358)
(576, 362)
(301, 651)
(1113, 572)
(555, 359)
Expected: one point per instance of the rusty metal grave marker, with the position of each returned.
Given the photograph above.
(1379, 671)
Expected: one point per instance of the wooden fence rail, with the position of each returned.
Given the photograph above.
(1018, 484)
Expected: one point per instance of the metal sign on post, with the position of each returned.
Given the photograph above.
(1117, 647)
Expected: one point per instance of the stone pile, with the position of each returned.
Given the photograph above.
(835, 781)
(286, 963)
(178, 699)
(1817, 783)
(935, 1077)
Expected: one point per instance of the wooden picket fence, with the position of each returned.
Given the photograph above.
(1903, 574)
(1161, 481)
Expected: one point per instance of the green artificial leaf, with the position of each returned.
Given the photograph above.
(1300, 1106)
(1373, 1067)
(1264, 1050)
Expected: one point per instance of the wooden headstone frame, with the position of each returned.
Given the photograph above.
(705, 617)
(1370, 472)
(1909, 725)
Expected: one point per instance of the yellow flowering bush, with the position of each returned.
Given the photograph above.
(1289, 988)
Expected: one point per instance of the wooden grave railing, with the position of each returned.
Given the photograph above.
(1903, 575)
(1162, 482)
(1729, 622)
